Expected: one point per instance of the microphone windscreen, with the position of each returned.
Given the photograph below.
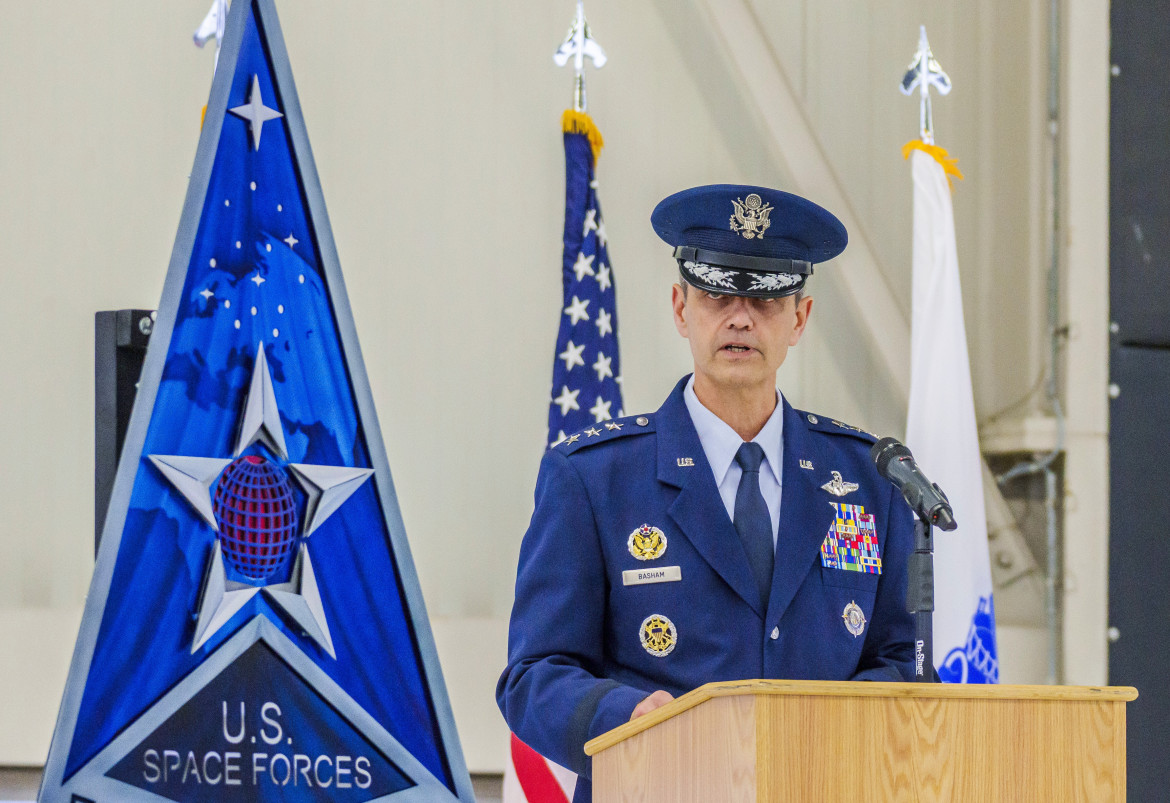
(886, 450)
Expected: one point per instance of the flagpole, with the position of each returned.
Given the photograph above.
(923, 73)
(579, 44)
(212, 27)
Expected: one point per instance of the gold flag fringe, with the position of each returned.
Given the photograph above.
(573, 122)
(950, 165)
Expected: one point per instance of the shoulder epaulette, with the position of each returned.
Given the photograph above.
(833, 426)
(606, 431)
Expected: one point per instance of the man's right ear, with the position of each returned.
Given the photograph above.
(678, 301)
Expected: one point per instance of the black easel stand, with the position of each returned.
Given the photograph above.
(920, 601)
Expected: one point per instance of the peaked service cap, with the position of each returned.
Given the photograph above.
(747, 241)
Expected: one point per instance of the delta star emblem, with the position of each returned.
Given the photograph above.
(751, 216)
(647, 543)
(658, 635)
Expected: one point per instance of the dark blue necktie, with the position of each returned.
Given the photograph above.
(752, 521)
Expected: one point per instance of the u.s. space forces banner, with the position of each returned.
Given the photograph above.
(254, 629)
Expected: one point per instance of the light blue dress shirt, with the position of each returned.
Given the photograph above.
(720, 443)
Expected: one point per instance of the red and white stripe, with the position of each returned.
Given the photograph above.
(529, 777)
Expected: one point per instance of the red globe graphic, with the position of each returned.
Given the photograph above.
(257, 517)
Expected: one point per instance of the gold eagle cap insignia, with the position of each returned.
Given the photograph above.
(751, 216)
(838, 486)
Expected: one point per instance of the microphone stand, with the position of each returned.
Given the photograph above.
(920, 601)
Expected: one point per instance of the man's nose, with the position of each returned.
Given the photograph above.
(739, 313)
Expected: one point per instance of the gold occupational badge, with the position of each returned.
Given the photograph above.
(854, 619)
(647, 543)
(838, 486)
(751, 216)
(658, 635)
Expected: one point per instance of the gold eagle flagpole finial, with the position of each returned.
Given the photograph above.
(579, 44)
(923, 73)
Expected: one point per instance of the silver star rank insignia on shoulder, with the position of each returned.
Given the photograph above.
(839, 487)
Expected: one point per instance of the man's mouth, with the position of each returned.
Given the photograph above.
(735, 348)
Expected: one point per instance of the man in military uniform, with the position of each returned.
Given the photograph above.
(727, 536)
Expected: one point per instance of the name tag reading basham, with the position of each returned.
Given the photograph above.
(659, 574)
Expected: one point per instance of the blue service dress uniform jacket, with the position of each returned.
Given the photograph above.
(577, 666)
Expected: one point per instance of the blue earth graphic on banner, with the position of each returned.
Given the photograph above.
(975, 661)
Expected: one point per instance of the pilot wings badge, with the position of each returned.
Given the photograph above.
(839, 487)
(751, 216)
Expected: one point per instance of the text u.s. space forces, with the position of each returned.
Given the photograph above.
(251, 754)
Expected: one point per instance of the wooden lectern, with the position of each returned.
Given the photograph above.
(779, 740)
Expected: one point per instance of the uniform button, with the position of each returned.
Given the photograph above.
(642, 421)
(775, 633)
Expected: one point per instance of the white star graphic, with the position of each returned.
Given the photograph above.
(561, 436)
(604, 327)
(567, 400)
(600, 410)
(583, 266)
(602, 366)
(601, 233)
(327, 487)
(572, 355)
(291, 240)
(602, 277)
(206, 292)
(590, 222)
(257, 279)
(255, 112)
(577, 310)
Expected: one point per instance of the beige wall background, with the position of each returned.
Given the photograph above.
(436, 132)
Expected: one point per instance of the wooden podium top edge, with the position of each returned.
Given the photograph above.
(836, 688)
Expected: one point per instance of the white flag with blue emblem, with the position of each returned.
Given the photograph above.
(941, 430)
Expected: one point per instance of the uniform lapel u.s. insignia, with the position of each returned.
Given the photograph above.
(647, 543)
(838, 486)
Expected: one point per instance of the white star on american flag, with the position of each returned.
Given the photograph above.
(572, 355)
(590, 222)
(602, 277)
(602, 366)
(583, 266)
(600, 410)
(604, 327)
(577, 311)
(567, 400)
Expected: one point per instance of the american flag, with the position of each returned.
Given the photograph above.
(586, 386)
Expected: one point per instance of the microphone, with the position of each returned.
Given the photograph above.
(896, 464)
